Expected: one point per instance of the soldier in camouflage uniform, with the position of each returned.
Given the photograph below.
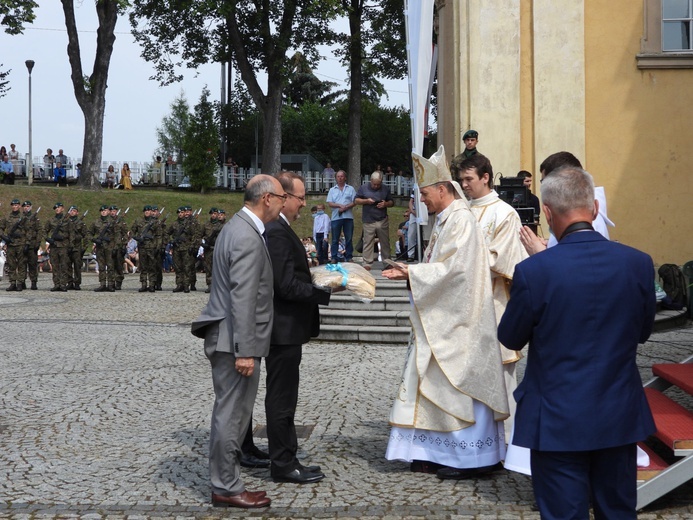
(14, 231)
(147, 232)
(181, 235)
(103, 235)
(162, 250)
(34, 242)
(119, 246)
(195, 247)
(210, 232)
(75, 252)
(58, 230)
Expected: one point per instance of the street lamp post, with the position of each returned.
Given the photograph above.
(29, 165)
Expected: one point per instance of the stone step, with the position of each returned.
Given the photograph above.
(365, 334)
(379, 303)
(348, 319)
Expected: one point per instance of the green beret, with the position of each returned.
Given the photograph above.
(15, 201)
(147, 208)
(103, 207)
(58, 205)
(71, 208)
(213, 210)
(222, 211)
(113, 206)
(26, 203)
(471, 134)
(181, 209)
(155, 207)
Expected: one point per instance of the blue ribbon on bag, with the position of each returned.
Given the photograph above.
(337, 268)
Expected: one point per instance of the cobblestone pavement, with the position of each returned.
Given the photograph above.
(106, 401)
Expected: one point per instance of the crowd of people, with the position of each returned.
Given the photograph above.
(66, 241)
(485, 289)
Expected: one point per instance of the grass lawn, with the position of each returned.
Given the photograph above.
(46, 195)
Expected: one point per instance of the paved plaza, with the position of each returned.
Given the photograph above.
(106, 400)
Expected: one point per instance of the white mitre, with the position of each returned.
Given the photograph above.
(434, 170)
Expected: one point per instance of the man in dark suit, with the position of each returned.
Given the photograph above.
(584, 306)
(296, 320)
(236, 325)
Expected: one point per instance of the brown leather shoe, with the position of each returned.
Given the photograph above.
(246, 500)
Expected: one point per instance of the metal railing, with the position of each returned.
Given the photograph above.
(229, 177)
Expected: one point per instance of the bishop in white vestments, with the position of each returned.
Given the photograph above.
(449, 410)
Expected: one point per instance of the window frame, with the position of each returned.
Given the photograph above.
(651, 55)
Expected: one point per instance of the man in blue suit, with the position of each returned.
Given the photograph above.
(583, 306)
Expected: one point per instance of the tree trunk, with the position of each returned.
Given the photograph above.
(272, 132)
(355, 60)
(90, 91)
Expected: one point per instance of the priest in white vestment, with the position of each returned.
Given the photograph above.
(500, 225)
(448, 413)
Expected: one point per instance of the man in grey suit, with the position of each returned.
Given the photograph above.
(236, 325)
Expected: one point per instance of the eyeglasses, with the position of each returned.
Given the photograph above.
(283, 197)
(302, 199)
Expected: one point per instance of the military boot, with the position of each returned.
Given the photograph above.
(56, 289)
(192, 287)
(118, 286)
(70, 286)
(100, 288)
(208, 290)
(34, 287)
(77, 287)
(12, 287)
(143, 288)
(157, 287)
(186, 289)
(152, 288)
(22, 286)
(111, 288)
(179, 288)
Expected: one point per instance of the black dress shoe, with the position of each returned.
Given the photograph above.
(465, 473)
(247, 499)
(424, 466)
(251, 461)
(257, 452)
(299, 476)
(311, 469)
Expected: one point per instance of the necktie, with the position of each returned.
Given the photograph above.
(264, 237)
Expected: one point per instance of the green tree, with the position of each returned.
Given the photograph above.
(304, 86)
(239, 119)
(4, 82)
(171, 133)
(90, 90)
(370, 50)
(201, 144)
(257, 35)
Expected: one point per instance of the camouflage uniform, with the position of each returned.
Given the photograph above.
(14, 231)
(34, 243)
(76, 250)
(103, 235)
(195, 247)
(161, 224)
(210, 232)
(58, 230)
(119, 246)
(181, 234)
(147, 232)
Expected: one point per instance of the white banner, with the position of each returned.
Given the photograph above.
(418, 16)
